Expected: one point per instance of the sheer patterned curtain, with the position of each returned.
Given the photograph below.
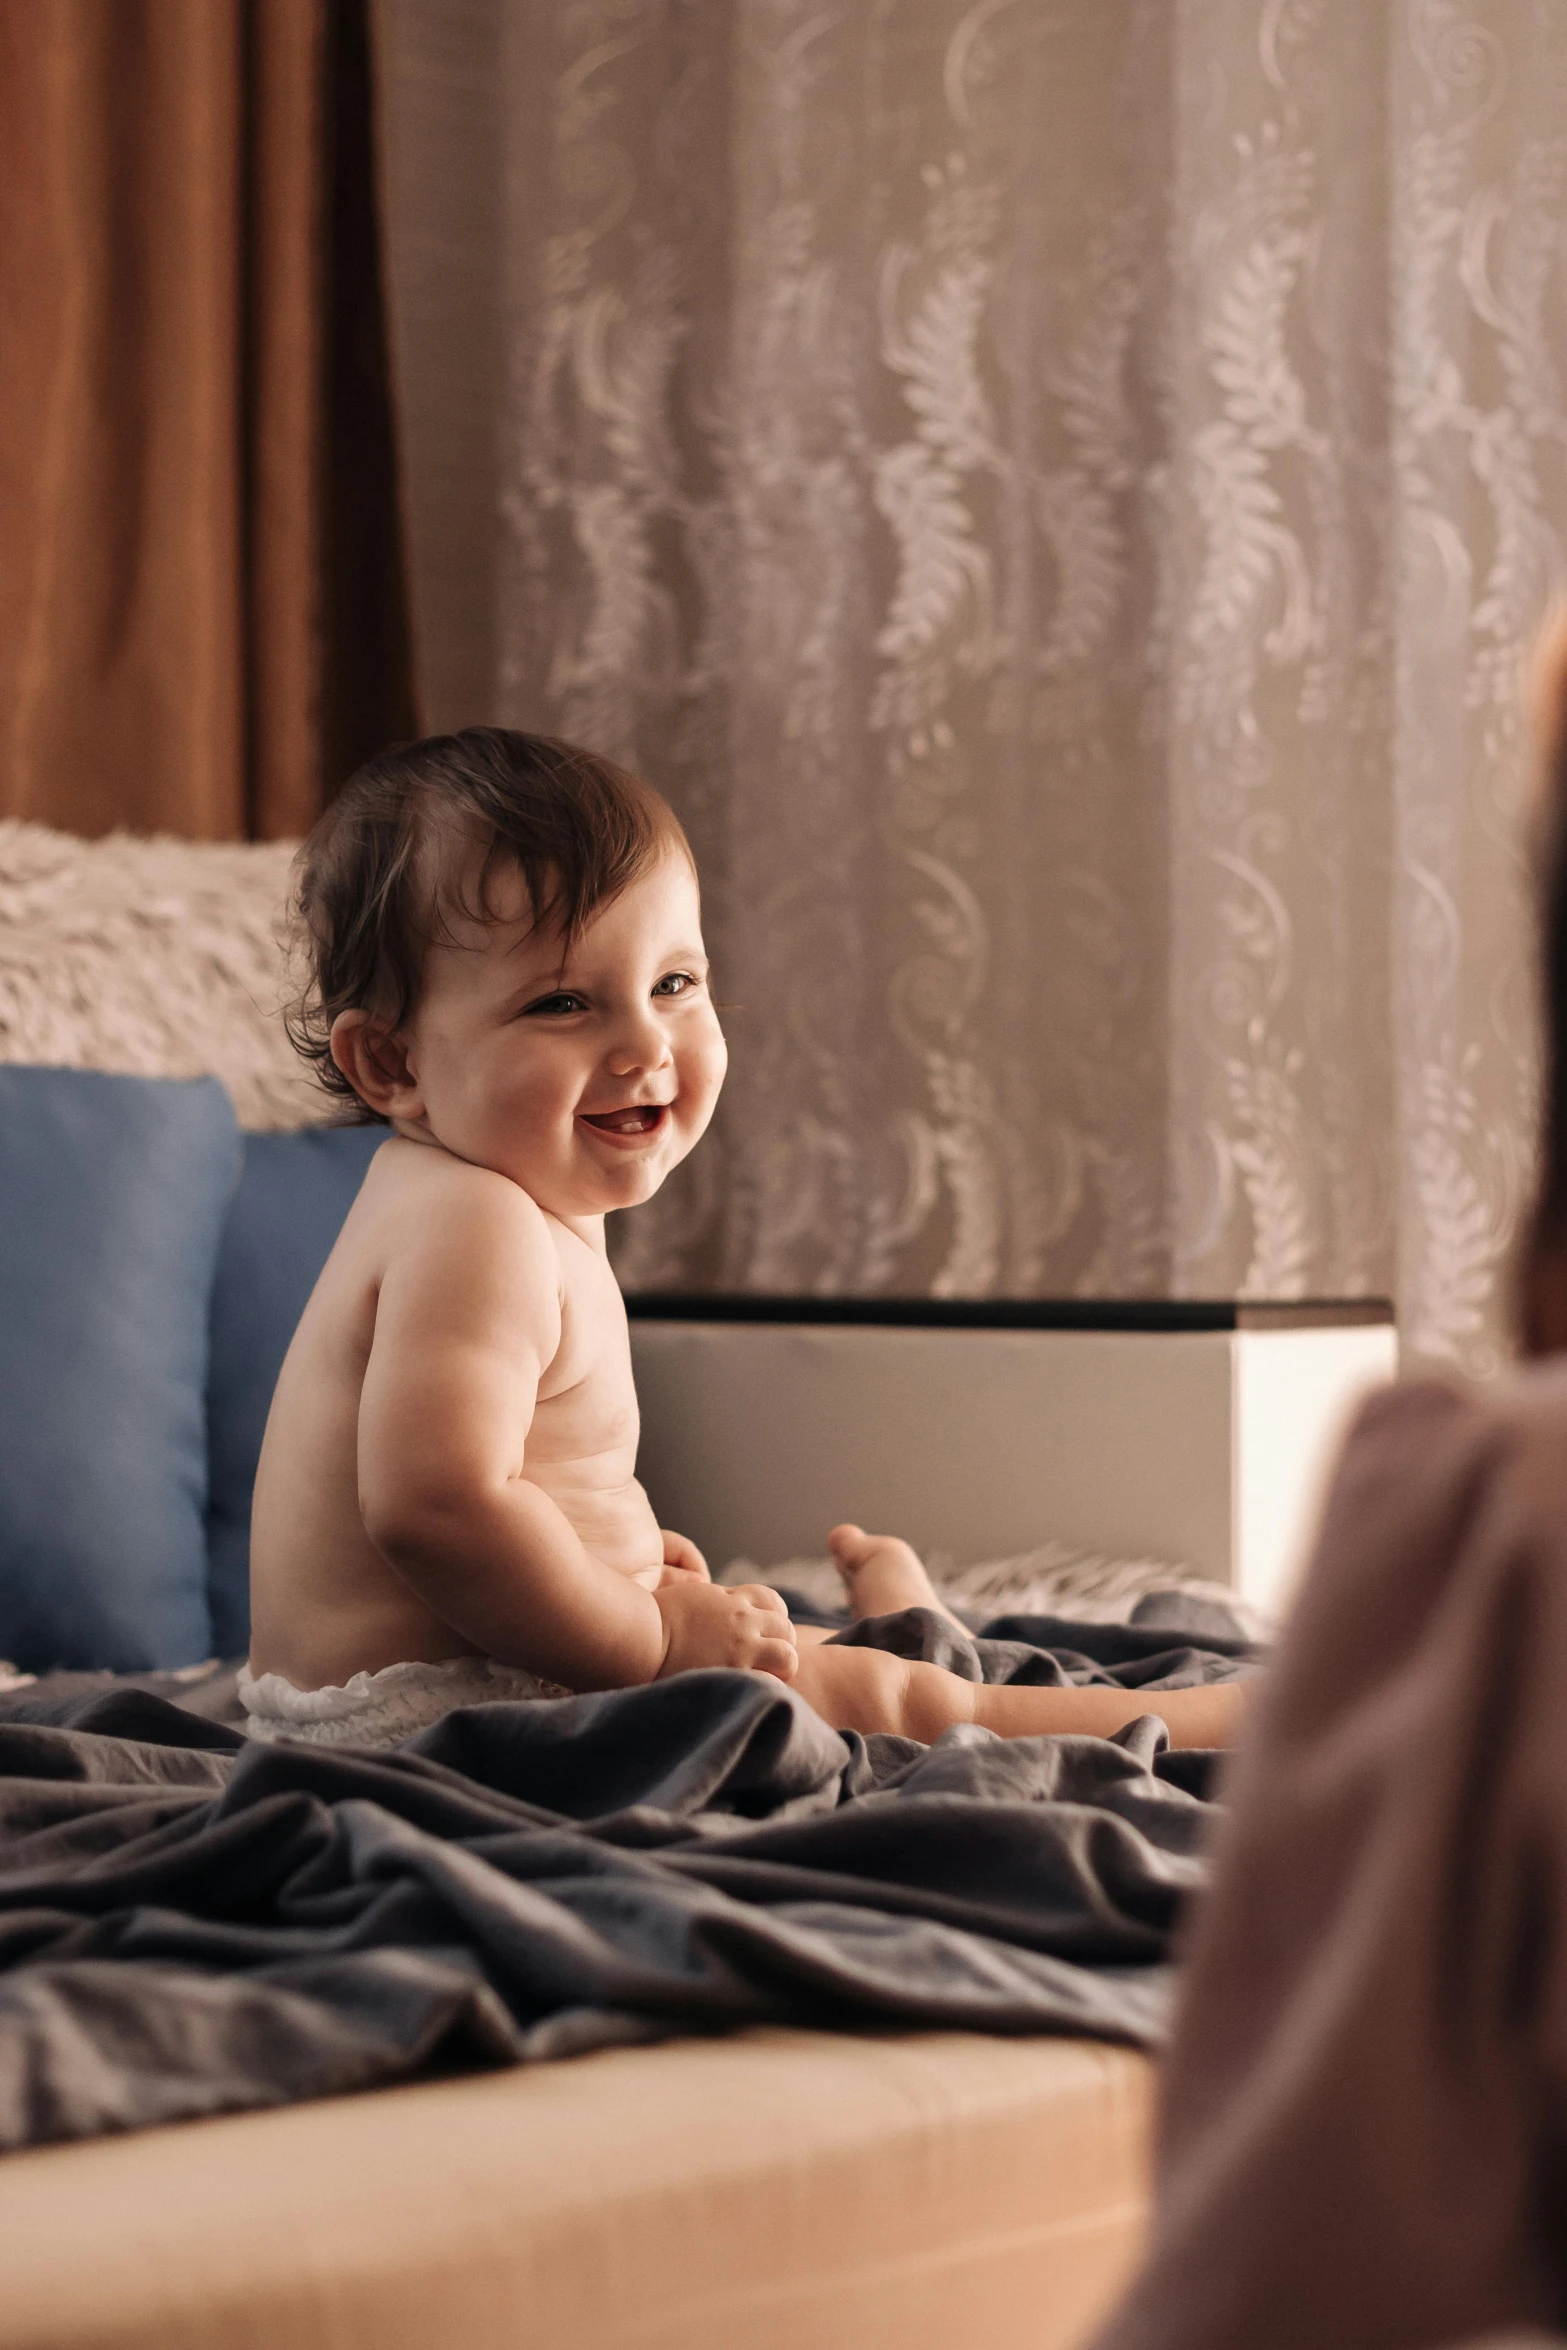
(1059, 493)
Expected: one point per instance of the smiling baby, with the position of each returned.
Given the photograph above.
(508, 971)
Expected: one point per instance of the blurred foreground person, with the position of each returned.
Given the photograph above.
(1363, 2136)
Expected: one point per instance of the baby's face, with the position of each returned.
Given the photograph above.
(585, 1083)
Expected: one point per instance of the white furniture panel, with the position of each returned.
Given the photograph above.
(1207, 1446)
(1293, 1393)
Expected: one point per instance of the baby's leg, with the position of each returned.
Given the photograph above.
(868, 1689)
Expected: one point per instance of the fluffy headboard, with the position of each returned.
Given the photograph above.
(153, 958)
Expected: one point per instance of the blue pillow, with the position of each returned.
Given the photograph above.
(287, 1212)
(113, 1192)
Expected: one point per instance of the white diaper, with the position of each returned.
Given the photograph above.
(376, 1709)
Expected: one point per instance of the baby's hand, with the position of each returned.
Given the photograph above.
(744, 1625)
(681, 1557)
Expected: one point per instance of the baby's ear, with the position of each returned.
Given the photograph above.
(375, 1062)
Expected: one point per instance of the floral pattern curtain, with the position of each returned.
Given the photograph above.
(1059, 492)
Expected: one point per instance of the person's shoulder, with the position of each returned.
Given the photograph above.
(1427, 1463)
(438, 1204)
(1525, 1415)
(1416, 1448)
(1531, 1398)
(461, 1246)
(1525, 1405)
(427, 1172)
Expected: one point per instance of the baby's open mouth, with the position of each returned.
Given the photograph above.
(641, 1118)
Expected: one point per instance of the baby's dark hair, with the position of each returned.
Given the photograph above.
(372, 892)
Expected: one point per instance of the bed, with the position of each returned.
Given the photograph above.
(773, 2185)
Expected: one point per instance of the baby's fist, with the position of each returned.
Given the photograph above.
(681, 1556)
(745, 1626)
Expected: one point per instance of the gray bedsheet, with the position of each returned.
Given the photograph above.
(191, 1924)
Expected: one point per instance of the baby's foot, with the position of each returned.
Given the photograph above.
(881, 1574)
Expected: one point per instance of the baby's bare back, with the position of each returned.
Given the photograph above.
(438, 1255)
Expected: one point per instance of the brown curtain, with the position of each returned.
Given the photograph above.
(202, 605)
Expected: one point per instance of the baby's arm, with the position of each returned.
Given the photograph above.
(868, 1689)
(467, 1321)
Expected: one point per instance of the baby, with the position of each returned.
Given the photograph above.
(507, 962)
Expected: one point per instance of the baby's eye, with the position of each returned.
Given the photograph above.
(563, 1002)
(675, 983)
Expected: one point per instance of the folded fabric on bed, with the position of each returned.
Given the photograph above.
(193, 1924)
(113, 1191)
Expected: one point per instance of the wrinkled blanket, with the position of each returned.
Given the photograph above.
(193, 1924)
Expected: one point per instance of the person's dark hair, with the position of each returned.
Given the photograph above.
(1540, 1278)
(378, 876)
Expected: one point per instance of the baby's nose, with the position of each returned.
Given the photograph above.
(640, 1044)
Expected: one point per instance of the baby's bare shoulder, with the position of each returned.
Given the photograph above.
(453, 1230)
(417, 1180)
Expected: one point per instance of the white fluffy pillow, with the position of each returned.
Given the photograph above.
(153, 958)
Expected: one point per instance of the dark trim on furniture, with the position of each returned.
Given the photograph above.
(1016, 1313)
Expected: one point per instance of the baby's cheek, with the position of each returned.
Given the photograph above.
(704, 1064)
(532, 1097)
